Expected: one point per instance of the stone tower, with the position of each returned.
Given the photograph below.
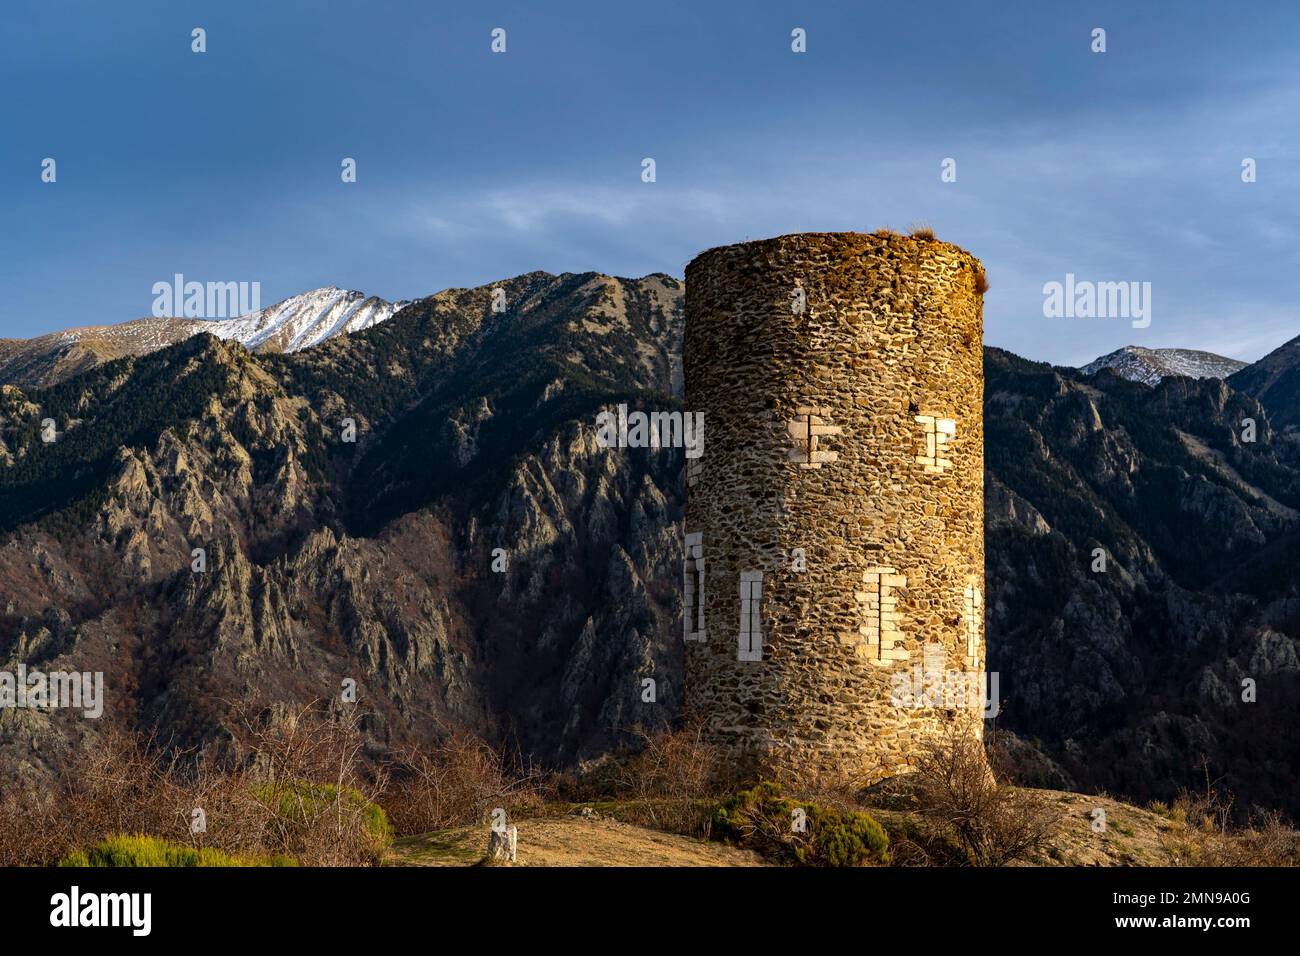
(834, 552)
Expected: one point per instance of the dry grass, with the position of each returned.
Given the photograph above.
(300, 793)
(1207, 831)
(301, 788)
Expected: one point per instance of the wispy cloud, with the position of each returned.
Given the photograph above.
(543, 209)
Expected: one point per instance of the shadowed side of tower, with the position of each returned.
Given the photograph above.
(835, 523)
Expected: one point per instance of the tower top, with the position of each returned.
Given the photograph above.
(839, 244)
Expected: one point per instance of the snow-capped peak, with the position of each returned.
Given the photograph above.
(304, 320)
(1149, 366)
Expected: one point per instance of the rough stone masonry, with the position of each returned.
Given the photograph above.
(835, 523)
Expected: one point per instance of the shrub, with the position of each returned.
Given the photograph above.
(762, 819)
(303, 803)
(670, 780)
(1205, 834)
(994, 823)
(322, 824)
(672, 777)
(669, 764)
(454, 783)
(142, 850)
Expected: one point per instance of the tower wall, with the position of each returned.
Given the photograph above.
(852, 430)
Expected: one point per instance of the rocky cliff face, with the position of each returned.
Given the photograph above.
(1275, 381)
(342, 508)
(1129, 677)
(328, 560)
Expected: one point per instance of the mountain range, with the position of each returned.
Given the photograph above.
(296, 323)
(421, 506)
(311, 318)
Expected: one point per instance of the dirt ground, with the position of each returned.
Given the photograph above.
(1129, 836)
(570, 841)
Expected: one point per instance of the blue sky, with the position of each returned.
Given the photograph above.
(472, 166)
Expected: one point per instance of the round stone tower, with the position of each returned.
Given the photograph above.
(834, 552)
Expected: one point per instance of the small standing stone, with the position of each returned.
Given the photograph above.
(503, 844)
